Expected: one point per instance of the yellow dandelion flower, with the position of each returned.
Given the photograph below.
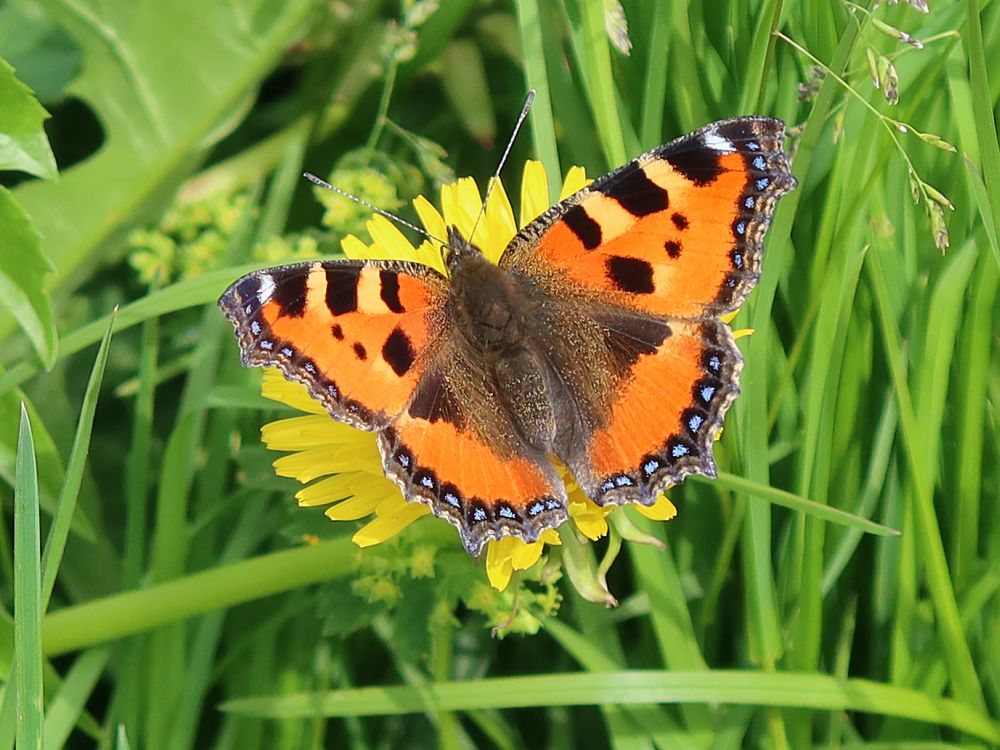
(340, 466)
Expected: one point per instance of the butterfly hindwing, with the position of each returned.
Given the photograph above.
(663, 415)
(357, 334)
(676, 232)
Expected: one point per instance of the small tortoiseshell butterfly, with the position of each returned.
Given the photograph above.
(596, 338)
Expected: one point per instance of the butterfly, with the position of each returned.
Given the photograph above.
(596, 339)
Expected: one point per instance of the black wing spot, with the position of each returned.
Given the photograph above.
(360, 352)
(342, 289)
(635, 192)
(680, 221)
(290, 294)
(584, 227)
(337, 331)
(673, 248)
(700, 165)
(630, 274)
(389, 289)
(398, 352)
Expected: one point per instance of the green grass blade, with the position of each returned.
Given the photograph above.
(986, 129)
(792, 690)
(802, 504)
(593, 52)
(27, 594)
(55, 543)
(70, 701)
(961, 667)
(974, 375)
(655, 82)
(542, 122)
(114, 617)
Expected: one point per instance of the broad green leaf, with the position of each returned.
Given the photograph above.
(166, 81)
(23, 145)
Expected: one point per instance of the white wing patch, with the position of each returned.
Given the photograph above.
(717, 143)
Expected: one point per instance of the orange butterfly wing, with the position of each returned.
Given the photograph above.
(357, 334)
(372, 341)
(654, 252)
(676, 232)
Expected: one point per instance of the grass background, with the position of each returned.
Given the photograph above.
(165, 598)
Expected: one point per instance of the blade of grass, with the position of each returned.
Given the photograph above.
(655, 81)
(593, 56)
(877, 470)
(797, 502)
(115, 617)
(815, 691)
(27, 594)
(67, 705)
(975, 357)
(542, 123)
(986, 130)
(658, 577)
(962, 669)
(55, 543)
(593, 655)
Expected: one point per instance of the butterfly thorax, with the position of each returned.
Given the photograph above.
(497, 317)
(492, 309)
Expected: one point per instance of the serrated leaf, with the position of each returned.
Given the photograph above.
(23, 269)
(23, 145)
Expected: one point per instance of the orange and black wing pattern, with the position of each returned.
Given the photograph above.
(457, 450)
(676, 232)
(654, 253)
(357, 334)
(372, 342)
(660, 421)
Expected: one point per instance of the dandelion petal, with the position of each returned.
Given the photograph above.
(388, 525)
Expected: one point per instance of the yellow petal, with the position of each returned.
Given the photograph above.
(388, 525)
(741, 332)
(526, 554)
(460, 203)
(354, 248)
(342, 486)
(661, 510)
(534, 192)
(576, 179)
(354, 508)
(275, 387)
(429, 254)
(390, 242)
(588, 516)
(498, 563)
(497, 227)
(302, 433)
(307, 465)
(431, 218)
(550, 536)
(729, 317)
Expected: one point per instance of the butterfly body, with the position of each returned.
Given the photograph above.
(595, 340)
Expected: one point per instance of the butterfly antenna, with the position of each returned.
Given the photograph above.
(381, 212)
(506, 152)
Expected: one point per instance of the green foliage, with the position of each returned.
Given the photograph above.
(191, 604)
